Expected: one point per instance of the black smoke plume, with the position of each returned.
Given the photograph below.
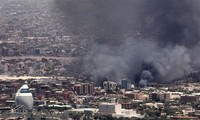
(130, 36)
(146, 75)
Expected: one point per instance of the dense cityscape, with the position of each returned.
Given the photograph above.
(74, 65)
(69, 98)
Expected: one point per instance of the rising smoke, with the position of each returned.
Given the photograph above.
(146, 75)
(131, 37)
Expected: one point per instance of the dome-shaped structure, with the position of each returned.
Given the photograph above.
(24, 97)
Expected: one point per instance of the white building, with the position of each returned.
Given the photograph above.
(129, 114)
(24, 98)
(110, 108)
(116, 110)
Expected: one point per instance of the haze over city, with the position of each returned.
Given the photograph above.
(129, 55)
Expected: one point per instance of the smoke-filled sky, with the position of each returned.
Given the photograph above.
(133, 36)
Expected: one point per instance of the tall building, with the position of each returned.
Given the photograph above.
(24, 98)
(164, 96)
(125, 84)
(5, 51)
(109, 85)
(159, 96)
(37, 51)
(78, 89)
(153, 97)
(84, 88)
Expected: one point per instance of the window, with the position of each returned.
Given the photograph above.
(25, 90)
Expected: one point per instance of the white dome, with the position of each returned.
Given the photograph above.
(24, 86)
(24, 97)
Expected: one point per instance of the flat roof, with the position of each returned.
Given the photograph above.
(84, 109)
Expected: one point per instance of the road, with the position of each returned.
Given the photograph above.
(40, 57)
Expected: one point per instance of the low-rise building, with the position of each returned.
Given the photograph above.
(189, 98)
(110, 108)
